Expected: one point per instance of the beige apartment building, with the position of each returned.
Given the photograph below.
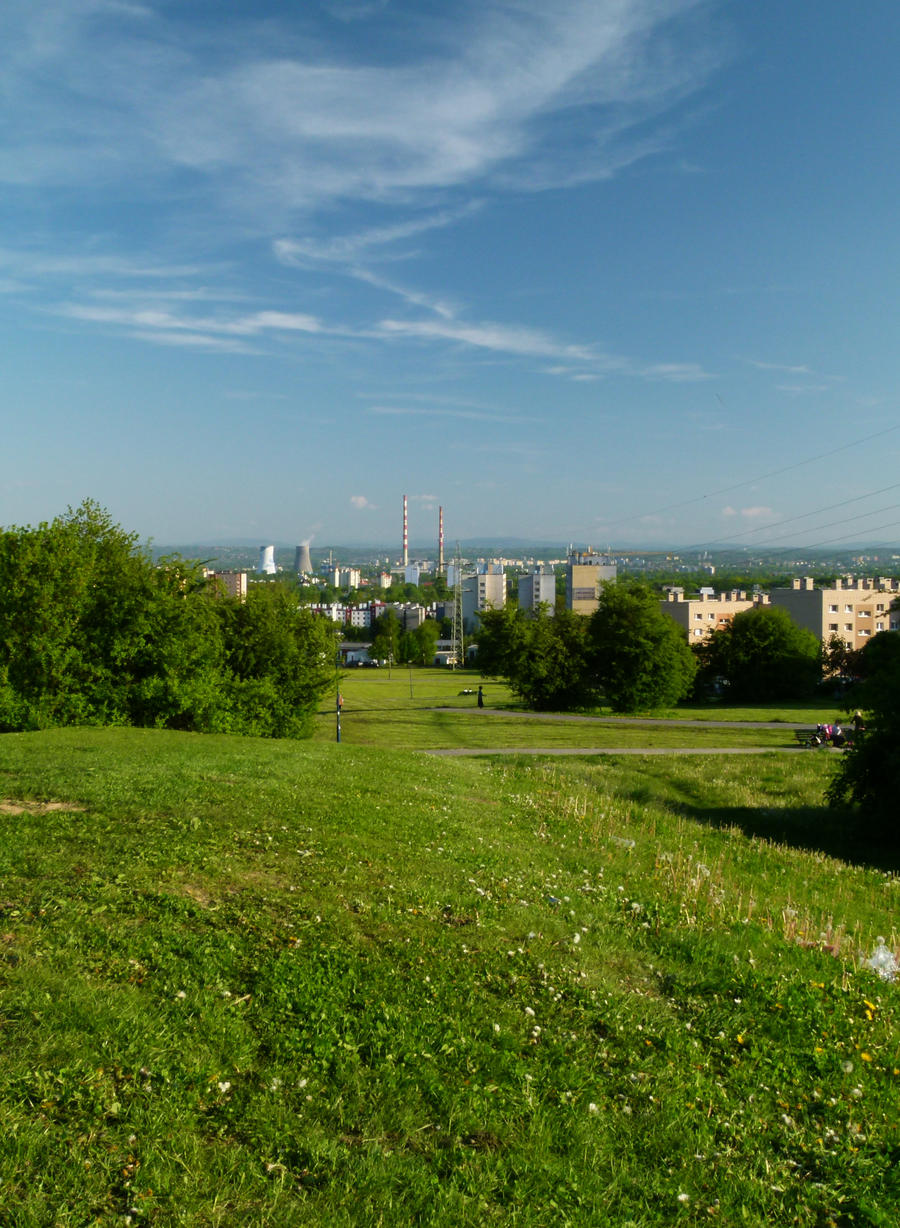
(700, 616)
(854, 609)
(484, 591)
(231, 583)
(585, 573)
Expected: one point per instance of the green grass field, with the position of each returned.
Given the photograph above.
(406, 708)
(246, 982)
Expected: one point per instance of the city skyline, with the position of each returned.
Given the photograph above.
(614, 272)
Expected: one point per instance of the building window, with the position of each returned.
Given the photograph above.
(879, 626)
(880, 607)
(848, 626)
(832, 609)
(848, 609)
(832, 626)
(864, 614)
(864, 631)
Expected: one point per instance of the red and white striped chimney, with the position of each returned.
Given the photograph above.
(440, 539)
(405, 535)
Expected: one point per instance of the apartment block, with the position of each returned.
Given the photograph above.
(481, 592)
(230, 583)
(855, 609)
(586, 572)
(538, 588)
(699, 617)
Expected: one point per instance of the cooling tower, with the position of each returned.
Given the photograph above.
(302, 561)
(266, 565)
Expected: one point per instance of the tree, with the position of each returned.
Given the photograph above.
(541, 657)
(92, 632)
(764, 655)
(426, 637)
(281, 658)
(386, 640)
(553, 670)
(868, 779)
(636, 652)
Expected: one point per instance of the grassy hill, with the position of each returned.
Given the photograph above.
(270, 983)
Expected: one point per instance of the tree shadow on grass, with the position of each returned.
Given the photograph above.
(815, 829)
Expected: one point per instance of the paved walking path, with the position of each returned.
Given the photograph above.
(632, 720)
(683, 722)
(623, 750)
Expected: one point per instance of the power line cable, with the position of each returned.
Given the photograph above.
(724, 490)
(829, 507)
(847, 520)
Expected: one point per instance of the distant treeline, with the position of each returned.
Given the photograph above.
(93, 632)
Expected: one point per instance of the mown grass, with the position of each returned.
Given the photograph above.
(249, 982)
(410, 709)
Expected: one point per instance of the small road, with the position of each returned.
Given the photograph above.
(631, 720)
(627, 750)
(651, 721)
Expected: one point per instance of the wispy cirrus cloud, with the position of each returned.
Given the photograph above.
(471, 415)
(257, 114)
(579, 361)
(150, 320)
(749, 513)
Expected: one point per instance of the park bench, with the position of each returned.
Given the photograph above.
(808, 737)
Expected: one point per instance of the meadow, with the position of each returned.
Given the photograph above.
(251, 982)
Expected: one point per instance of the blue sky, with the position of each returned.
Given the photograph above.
(610, 272)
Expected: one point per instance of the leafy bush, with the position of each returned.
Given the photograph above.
(93, 633)
(637, 653)
(764, 655)
(869, 776)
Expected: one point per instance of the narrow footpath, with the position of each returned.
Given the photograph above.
(684, 723)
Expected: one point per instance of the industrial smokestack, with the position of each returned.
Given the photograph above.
(266, 565)
(302, 561)
(440, 539)
(405, 535)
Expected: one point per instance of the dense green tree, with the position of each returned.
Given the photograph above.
(543, 658)
(553, 671)
(501, 638)
(426, 637)
(93, 632)
(281, 659)
(764, 655)
(869, 775)
(386, 640)
(636, 652)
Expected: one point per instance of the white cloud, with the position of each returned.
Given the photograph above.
(199, 341)
(473, 415)
(749, 513)
(362, 504)
(800, 369)
(536, 94)
(149, 319)
(348, 248)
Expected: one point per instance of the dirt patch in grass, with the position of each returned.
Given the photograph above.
(10, 806)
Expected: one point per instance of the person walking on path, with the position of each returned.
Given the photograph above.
(481, 697)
